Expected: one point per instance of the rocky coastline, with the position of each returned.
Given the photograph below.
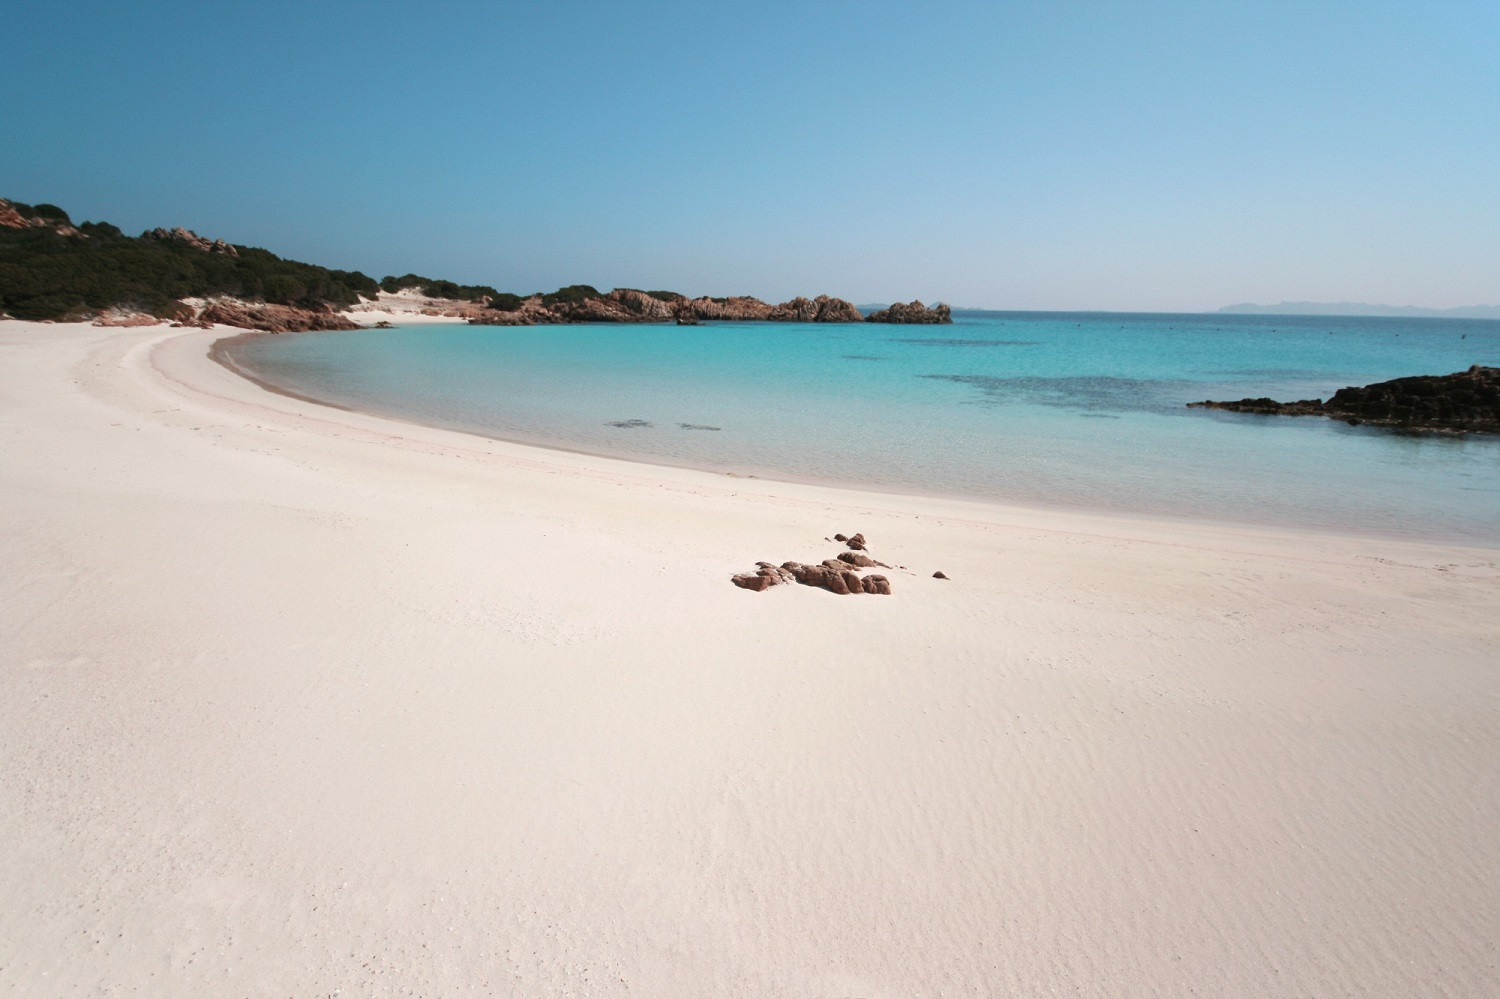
(1467, 401)
(628, 305)
(51, 270)
(912, 313)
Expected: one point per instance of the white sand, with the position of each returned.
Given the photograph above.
(295, 700)
(409, 307)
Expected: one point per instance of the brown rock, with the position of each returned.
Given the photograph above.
(836, 310)
(856, 559)
(857, 543)
(192, 239)
(939, 575)
(912, 312)
(841, 537)
(877, 584)
(270, 318)
(10, 218)
(764, 577)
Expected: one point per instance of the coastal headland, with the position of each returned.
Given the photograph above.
(51, 269)
(296, 700)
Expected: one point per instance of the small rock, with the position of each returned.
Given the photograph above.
(840, 537)
(857, 542)
(877, 584)
(857, 559)
(939, 575)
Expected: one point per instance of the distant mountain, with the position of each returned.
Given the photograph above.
(1363, 309)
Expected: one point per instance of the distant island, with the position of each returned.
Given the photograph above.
(53, 269)
(1362, 309)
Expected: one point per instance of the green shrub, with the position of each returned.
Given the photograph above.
(571, 295)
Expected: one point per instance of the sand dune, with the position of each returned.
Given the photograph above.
(295, 700)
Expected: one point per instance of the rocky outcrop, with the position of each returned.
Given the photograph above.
(836, 575)
(124, 319)
(11, 217)
(912, 312)
(1463, 401)
(626, 305)
(822, 309)
(273, 318)
(764, 577)
(190, 238)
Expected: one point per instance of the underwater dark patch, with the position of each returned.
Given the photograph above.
(1090, 393)
(959, 342)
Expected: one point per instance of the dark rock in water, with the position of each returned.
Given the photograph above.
(877, 584)
(697, 426)
(939, 575)
(629, 424)
(1465, 400)
(912, 312)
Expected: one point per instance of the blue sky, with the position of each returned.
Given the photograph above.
(1170, 156)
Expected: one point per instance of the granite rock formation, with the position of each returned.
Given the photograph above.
(190, 238)
(836, 575)
(626, 305)
(912, 312)
(12, 218)
(1463, 401)
(273, 318)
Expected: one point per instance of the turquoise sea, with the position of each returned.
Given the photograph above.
(1080, 410)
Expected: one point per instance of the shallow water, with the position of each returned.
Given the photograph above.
(1082, 410)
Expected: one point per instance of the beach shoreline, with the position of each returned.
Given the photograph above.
(224, 352)
(301, 698)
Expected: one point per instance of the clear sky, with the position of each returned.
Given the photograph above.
(1098, 155)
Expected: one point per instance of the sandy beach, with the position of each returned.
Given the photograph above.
(303, 702)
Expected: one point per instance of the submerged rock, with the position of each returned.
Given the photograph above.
(1465, 400)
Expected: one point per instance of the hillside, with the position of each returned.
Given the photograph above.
(54, 269)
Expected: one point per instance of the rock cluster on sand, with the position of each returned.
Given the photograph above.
(837, 575)
(912, 312)
(1464, 400)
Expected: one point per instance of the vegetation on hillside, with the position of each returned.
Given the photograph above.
(438, 288)
(53, 272)
(52, 268)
